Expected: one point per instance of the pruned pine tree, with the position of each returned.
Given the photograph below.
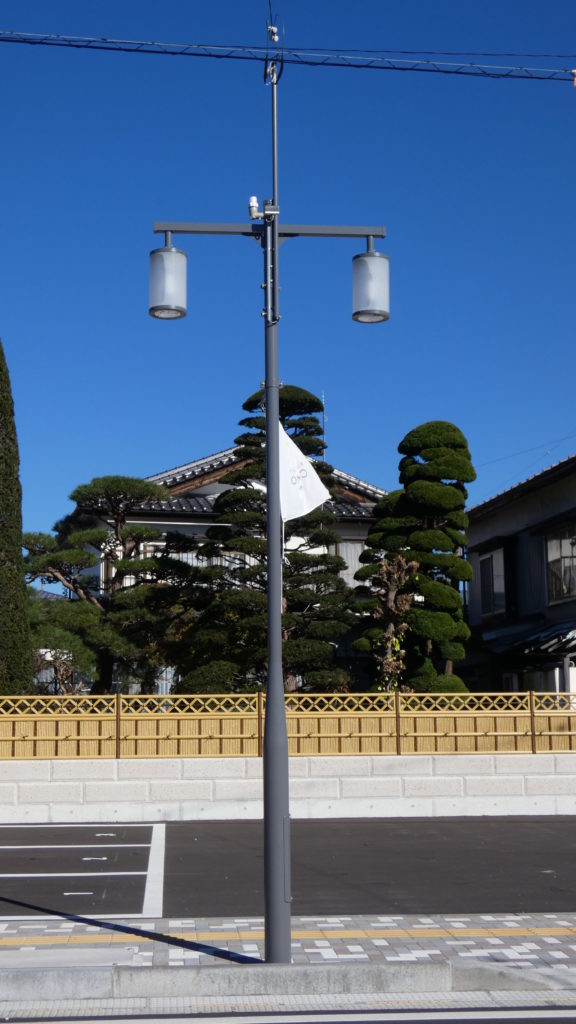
(62, 658)
(95, 553)
(227, 646)
(385, 604)
(425, 522)
(16, 668)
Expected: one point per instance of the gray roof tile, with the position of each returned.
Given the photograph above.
(219, 460)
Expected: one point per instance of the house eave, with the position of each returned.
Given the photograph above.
(558, 471)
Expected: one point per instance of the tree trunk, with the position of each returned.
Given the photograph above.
(105, 673)
(290, 682)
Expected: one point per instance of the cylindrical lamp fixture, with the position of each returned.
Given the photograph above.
(167, 283)
(370, 286)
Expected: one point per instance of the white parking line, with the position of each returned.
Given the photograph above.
(154, 893)
(78, 846)
(78, 824)
(73, 874)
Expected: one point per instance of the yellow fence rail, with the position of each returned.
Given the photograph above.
(119, 726)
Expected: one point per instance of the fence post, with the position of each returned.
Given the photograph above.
(118, 722)
(260, 708)
(532, 720)
(397, 710)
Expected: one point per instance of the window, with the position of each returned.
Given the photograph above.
(561, 560)
(492, 590)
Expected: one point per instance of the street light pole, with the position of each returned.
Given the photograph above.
(277, 885)
(370, 305)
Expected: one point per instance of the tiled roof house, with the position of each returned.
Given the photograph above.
(193, 488)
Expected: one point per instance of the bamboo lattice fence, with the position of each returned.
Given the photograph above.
(119, 726)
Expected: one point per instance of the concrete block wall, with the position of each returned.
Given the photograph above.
(321, 787)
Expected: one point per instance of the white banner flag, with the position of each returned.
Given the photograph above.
(301, 489)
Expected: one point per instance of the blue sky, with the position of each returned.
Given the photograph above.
(474, 180)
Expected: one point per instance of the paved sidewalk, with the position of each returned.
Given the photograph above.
(519, 940)
(54, 967)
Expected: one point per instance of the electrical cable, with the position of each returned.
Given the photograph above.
(526, 451)
(439, 53)
(359, 60)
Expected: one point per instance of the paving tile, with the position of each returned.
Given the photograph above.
(520, 940)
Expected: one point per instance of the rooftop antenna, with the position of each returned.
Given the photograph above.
(324, 420)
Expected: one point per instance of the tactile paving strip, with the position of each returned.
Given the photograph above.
(520, 940)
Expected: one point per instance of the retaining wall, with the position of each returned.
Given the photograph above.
(321, 787)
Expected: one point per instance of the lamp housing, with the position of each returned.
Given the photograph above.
(370, 287)
(167, 283)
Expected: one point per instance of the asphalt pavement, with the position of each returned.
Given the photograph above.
(358, 866)
(368, 866)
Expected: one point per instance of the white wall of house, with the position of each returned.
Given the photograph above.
(351, 545)
(543, 681)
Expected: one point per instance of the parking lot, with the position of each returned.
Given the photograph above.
(360, 866)
(96, 870)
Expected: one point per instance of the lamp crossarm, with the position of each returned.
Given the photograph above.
(256, 230)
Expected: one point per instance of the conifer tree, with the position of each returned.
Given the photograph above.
(227, 645)
(96, 555)
(60, 652)
(385, 604)
(16, 668)
(425, 522)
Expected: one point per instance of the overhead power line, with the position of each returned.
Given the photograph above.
(549, 445)
(385, 60)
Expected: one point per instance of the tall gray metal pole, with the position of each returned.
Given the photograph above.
(277, 884)
(276, 784)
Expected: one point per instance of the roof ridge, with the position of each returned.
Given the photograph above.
(195, 463)
(194, 467)
(523, 483)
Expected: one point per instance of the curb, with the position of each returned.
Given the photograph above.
(58, 983)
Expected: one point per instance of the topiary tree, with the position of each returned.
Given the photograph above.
(16, 668)
(229, 637)
(425, 522)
